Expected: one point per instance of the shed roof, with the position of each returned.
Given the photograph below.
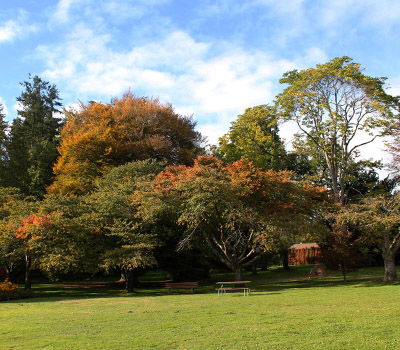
(304, 246)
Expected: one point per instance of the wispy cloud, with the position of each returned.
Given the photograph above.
(62, 11)
(378, 14)
(16, 28)
(116, 11)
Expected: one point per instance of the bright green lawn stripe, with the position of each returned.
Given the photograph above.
(320, 315)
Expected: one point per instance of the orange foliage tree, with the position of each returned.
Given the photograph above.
(31, 234)
(232, 211)
(101, 136)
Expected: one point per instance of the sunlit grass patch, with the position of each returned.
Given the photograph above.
(280, 313)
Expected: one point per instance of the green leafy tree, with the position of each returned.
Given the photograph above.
(394, 150)
(254, 136)
(72, 243)
(332, 104)
(34, 135)
(126, 243)
(378, 218)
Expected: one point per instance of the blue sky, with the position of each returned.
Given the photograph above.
(208, 58)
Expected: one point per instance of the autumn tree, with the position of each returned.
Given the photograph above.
(49, 236)
(33, 140)
(30, 234)
(332, 105)
(11, 212)
(227, 210)
(101, 136)
(378, 218)
(14, 209)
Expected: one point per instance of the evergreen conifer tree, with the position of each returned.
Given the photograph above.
(33, 141)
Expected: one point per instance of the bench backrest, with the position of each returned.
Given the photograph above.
(182, 285)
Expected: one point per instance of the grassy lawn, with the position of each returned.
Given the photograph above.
(285, 310)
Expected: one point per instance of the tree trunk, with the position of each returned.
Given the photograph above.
(10, 272)
(285, 258)
(264, 262)
(390, 265)
(238, 273)
(130, 278)
(28, 265)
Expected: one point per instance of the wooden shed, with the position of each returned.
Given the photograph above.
(303, 254)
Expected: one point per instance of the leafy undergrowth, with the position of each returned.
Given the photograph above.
(285, 310)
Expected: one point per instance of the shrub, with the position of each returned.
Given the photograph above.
(10, 291)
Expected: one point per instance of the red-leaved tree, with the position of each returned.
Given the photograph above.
(30, 234)
(232, 211)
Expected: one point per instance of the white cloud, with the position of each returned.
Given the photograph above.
(370, 13)
(8, 31)
(393, 87)
(62, 10)
(215, 88)
(14, 29)
(17, 107)
(114, 11)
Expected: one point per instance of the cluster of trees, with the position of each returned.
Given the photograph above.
(127, 185)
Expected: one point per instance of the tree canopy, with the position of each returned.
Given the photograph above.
(232, 210)
(379, 219)
(254, 136)
(101, 136)
(33, 139)
(332, 104)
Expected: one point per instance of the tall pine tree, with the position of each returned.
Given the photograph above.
(32, 147)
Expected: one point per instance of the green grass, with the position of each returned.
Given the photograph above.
(285, 310)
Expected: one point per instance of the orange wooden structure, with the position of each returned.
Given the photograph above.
(303, 254)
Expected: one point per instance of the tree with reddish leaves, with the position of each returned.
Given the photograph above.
(231, 211)
(31, 234)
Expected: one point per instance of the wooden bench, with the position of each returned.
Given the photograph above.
(181, 285)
